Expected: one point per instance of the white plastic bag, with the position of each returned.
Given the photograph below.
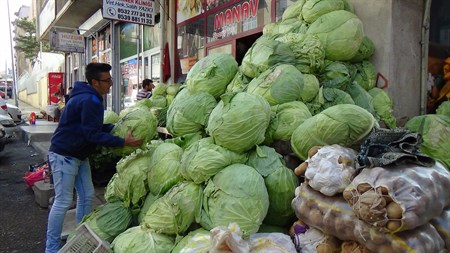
(331, 169)
(271, 242)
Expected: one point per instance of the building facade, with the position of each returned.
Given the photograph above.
(185, 31)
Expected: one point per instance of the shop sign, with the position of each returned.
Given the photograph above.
(131, 11)
(225, 22)
(66, 42)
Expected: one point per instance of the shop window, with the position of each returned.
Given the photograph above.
(152, 36)
(212, 4)
(240, 17)
(128, 40)
(190, 44)
(156, 63)
(188, 9)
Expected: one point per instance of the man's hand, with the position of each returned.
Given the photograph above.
(131, 141)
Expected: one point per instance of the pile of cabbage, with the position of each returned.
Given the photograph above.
(238, 131)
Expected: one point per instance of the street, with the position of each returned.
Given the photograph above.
(23, 222)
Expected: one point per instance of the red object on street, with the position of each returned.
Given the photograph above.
(32, 118)
(2, 94)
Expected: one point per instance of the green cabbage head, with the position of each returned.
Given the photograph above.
(141, 239)
(383, 105)
(109, 220)
(174, 212)
(313, 9)
(142, 124)
(310, 87)
(294, 10)
(366, 75)
(164, 168)
(189, 113)
(435, 131)
(343, 124)
(444, 108)
(212, 74)
(341, 33)
(280, 84)
(236, 194)
(280, 182)
(365, 51)
(110, 117)
(239, 121)
(265, 53)
(204, 159)
(287, 118)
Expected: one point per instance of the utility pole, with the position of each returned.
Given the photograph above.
(14, 88)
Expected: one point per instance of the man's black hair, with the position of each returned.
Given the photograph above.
(94, 70)
(146, 82)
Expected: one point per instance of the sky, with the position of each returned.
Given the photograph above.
(5, 49)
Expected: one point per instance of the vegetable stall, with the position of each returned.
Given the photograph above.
(266, 156)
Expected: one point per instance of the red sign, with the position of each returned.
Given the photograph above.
(236, 14)
(55, 80)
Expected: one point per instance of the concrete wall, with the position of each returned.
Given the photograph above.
(38, 99)
(395, 28)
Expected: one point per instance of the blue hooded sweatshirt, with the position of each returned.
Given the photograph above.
(81, 127)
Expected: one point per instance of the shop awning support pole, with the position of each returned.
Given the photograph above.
(424, 58)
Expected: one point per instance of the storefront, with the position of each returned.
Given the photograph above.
(220, 26)
(438, 90)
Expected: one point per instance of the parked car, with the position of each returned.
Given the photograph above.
(128, 102)
(2, 94)
(11, 110)
(11, 129)
(3, 138)
(15, 113)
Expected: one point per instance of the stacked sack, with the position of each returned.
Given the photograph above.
(396, 208)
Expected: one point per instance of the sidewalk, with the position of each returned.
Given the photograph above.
(39, 136)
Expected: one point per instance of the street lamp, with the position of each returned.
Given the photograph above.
(14, 91)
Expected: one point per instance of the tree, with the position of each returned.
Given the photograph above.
(27, 43)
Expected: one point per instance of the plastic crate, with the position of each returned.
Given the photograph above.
(85, 241)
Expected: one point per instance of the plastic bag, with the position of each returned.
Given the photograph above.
(334, 216)
(228, 240)
(331, 169)
(442, 224)
(354, 247)
(271, 242)
(399, 198)
(32, 177)
(313, 240)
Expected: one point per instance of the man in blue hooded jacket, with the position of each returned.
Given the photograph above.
(80, 130)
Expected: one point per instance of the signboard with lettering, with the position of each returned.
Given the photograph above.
(240, 17)
(132, 11)
(66, 42)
